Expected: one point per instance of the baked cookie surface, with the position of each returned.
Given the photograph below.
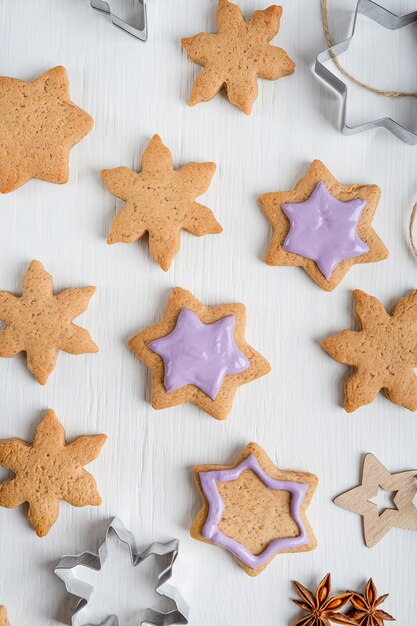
(198, 354)
(253, 509)
(383, 352)
(237, 55)
(49, 471)
(39, 125)
(40, 323)
(3, 617)
(161, 201)
(323, 226)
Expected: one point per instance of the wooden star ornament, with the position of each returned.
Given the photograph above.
(383, 352)
(403, 486)
(198, 354)
(321, 608)
(323, 226)
(3, 617)
(48, 471)
(161, 201)
(39, 126)
(367, 611)
(40, 323)
(237, 55)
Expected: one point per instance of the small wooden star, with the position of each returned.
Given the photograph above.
(237, 55)
(322, 609)
(220, 406)
(376, 525)
(40, 323)
(371, 247)
(39, 126)
(161, 201)
(49, 471)
(367, 611)
(383, 352)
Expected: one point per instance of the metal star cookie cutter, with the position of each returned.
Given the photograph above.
(139, 33)
(389, 20)
(82, 590)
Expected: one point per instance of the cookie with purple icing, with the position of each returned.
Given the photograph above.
(253, 509)
(323, 226)
(198, 354)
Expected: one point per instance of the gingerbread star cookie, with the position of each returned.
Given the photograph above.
(161, 201)
(40, 322)
(198, 354)
(383, 352)
(49, 471)
(253, 509)
(403, 489)
(237, 55)
(39, 126)
(323, 226)
(3, 617)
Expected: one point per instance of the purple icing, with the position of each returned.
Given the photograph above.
(199, 354)
(324, 229)
(211, 531)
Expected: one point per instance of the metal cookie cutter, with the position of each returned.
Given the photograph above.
(82, 591)
(389, 20)
(139, 33)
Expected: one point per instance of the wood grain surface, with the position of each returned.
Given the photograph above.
(144, 473)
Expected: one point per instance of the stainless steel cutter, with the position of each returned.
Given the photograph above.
(140, 33)
(82, 590)
(389, 20)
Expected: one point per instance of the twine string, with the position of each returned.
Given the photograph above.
(376, 90)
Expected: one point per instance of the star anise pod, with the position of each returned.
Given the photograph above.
(366, 612)
(321, 609)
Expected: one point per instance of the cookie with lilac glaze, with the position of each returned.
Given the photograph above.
(254, 509)
(323, 226)
(198, 354)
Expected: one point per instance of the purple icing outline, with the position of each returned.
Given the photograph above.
(211, 531)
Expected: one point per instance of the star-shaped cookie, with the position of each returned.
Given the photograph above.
(40, 323)
(3, 617)
(323, 226)
(383, 352)
(237, 55)
(49, 471)
(376, 525)
(39, 126)
(253, 509)
(161, 201)
(198, 354)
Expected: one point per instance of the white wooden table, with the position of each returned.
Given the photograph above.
(134, 90)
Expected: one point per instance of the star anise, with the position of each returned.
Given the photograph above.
(321, 608)
(366, 612)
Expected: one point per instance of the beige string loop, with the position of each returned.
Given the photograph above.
(379, 92)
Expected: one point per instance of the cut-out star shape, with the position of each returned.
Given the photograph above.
(3, 617)
(161, 201)
(199, 354)
(40, 323)
(358, 500)
(49, 471)
(39, 126)
(293, 222)
(383, 352)
(237, 55)
(219, 407)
